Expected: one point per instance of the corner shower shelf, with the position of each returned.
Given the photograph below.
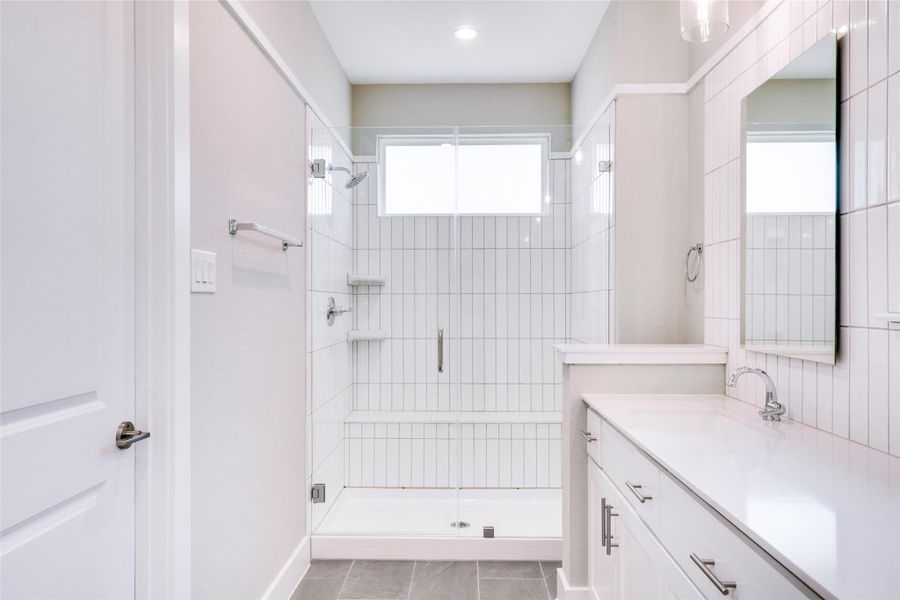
(434, 416)
(361, 335)
(354, 279)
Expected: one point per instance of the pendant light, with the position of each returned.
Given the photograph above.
(703, 20)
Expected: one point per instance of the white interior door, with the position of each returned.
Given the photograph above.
(66, 299)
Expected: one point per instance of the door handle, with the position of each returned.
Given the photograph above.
(440, 349)
(126, 435)
(587, 436)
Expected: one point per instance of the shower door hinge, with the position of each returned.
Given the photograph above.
(318, 493)
(604, 166)
(317, 168)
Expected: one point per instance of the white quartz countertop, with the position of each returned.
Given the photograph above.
(641, 354)
(826, 508)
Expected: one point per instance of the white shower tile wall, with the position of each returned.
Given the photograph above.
(790, 279)
(449, 455)
(858, 397)
(329, 238)
(593, 236)
(497, 285)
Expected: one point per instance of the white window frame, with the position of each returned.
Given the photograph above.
(383, 141)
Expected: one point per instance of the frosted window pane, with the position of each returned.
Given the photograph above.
(791, 177)
(490, 178)
(500, 178)
(419, 179)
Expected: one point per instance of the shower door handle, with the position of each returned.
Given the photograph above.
(440, 349)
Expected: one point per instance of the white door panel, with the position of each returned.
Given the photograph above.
(66, 299)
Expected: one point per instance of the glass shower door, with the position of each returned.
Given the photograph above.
(512, 258)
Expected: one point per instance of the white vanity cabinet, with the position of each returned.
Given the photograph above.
(635, 565)
(650, 538)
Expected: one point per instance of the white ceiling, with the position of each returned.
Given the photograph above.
(412, 41)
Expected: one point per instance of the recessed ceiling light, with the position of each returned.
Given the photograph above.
(465, 32)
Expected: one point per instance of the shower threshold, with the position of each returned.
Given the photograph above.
(422, 523)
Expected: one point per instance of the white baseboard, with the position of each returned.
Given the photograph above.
(290, 574)
(564, 591)
(435, 548)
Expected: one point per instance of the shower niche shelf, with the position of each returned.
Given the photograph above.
(363, 335)
(356, 279)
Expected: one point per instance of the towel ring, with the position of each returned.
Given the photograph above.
(697, 266)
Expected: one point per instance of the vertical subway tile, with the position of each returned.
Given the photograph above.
(879, 434)
(877, 147)
(878, 40)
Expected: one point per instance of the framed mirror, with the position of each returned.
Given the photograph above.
(790, 202)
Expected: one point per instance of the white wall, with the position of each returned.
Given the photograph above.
(859, 397)
(461, 104)
(637, 42)
(247, 356)
(652, 211)
(294, 30)
(518, 107)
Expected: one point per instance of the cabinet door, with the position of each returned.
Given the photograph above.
(636, 556)
(600, 566)
(674, 583)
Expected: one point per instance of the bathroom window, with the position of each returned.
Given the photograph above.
(791, 174)
(483, 175)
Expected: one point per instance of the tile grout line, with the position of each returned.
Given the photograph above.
(346, 577)
(412, 575)
(544, 577)
(477, 580)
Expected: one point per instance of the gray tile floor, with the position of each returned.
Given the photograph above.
(428, 580)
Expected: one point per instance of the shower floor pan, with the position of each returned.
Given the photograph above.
(417, 523)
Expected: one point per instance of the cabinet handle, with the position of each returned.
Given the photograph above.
(603, 522)
(634, 487)
(440, 349)
(704, 565)
(587, 436)
(609, 536)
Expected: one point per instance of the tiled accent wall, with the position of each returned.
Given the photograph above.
(496, 285)
(329, 239)
(499, 329)
(593, 236)
(496, 455)
(859, 397)
(790, 275)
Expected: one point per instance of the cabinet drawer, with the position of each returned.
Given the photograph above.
(632, 473)
(593, 431)
(688, 527)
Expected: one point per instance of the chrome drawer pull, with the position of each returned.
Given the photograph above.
(609, 536)
(603, 522)
(634, 490)
(587, 436)
(704, 565)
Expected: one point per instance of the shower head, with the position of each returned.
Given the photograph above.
(356, 179)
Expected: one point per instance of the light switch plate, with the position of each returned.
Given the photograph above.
(203, 271)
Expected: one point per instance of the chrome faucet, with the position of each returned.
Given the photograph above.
(774, 409)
